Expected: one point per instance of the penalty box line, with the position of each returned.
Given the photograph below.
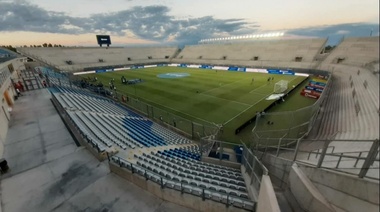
(246, 109)
(241, 103)
(221, 86)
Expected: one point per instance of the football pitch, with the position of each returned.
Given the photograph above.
(202, 96)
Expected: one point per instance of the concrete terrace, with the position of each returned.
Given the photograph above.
(48, 172)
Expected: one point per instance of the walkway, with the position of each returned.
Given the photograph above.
(48, 172)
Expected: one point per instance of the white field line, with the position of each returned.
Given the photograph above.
(267, 85)
(252, 105)
(183, 113)
(246, 109)
(226, 99)
(258, 88)
(222, 86)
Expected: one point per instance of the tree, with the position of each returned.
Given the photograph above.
(34, 46)
(329, 48)
(45, 45)
(50, 45)
(60, 45)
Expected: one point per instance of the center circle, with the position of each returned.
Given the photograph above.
(173, 75)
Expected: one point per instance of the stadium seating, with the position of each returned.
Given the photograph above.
(177, 164)
(262, 53)
(350, 112)
(358, 52)
(166, 171)
(6, 55)
(190, 171)
(340, 116)
(106, 123)
(74, 59)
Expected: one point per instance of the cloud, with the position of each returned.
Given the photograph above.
(336, 32)
(153, 23)
(150, 23)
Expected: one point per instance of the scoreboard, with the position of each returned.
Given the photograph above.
(103, 39)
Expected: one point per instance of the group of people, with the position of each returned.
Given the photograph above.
(269, 79)
(130, 82)
(112, 85)
(123, 80)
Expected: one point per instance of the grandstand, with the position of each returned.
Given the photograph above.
(357, 52)
(6, 55)
(77, 59)
(335, 159)
(295, 53)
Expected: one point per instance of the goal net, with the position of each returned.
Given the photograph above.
(280, 86)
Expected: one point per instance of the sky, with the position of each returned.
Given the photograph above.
(180, 22)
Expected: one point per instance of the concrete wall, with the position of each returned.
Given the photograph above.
(345, 192)
(278, 169)
(171, 195)
(5, 109)
(306, 194)
(267, 198)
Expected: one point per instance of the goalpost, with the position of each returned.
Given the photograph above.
(280, 86)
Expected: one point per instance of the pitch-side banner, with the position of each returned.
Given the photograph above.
(235, 68)
(84, 72)
(257, 70)
(220, 68)
(150, 66)
(317, 83)
(193, 66)
(278, 71)
(103, 70)
(205, 66)
(309, 95)
(121, 69)
(314, 89)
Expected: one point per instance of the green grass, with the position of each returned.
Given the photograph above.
(223, 97)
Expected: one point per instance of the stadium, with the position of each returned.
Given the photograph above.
(260, 122)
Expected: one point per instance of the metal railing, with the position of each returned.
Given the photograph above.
(253, 167)
(291, 125)
(337, 156)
